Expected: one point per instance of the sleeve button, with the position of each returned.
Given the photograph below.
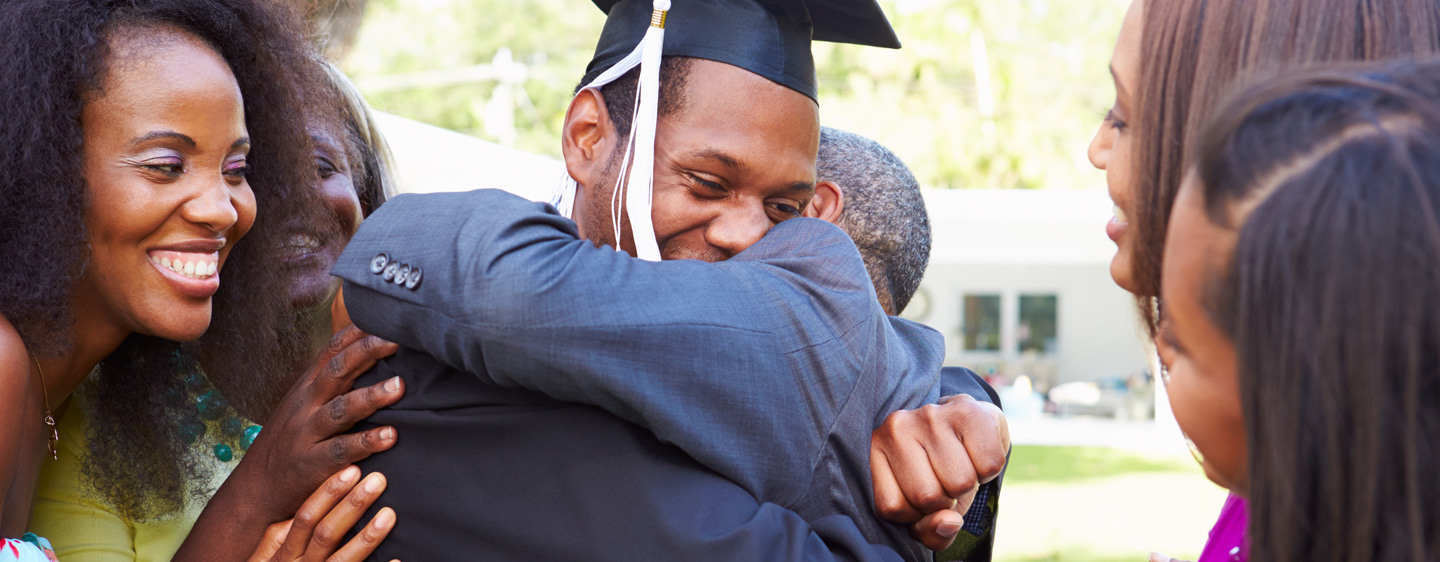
(413, 280)
(378, 264)
(390, 270)
(402, 274)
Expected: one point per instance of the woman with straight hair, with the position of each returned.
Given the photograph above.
(1300, 290)
(1173, 61)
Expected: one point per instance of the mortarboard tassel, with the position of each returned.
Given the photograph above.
(640, 150)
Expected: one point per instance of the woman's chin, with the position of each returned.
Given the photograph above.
(1122, 273)
(1235, 484)
(312, 291)
(184, 331)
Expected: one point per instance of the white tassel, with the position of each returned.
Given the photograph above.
(640, 150)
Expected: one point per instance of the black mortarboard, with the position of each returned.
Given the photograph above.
(768, 37)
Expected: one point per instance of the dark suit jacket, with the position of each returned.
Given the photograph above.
(770, 369)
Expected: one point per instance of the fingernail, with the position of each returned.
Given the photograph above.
(387, 434)
(349, 474)
(948, 529)
(372, 484)
(385, 518)
(393, 384)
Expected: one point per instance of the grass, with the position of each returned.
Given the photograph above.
(1032, 464)
(1092, 504)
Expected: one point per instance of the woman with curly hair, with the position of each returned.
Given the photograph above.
(145, 139)
(351, 163)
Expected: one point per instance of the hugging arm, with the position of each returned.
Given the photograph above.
(742, 364)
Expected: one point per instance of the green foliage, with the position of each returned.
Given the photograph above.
(1023, 124)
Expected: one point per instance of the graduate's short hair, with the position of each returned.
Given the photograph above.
(619, 95)
(884, 212)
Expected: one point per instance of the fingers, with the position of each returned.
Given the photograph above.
(354, 447)
(345, 410)
(946, 454)
(1157, 557)
(938, 530)
(890, 502)
(327, 536)
(345, 338)
(963, 503)
(337, 373)
(270, 543)
(983, 431)
(917, 479)
(365, 542)
(903, 440)
(314, 510)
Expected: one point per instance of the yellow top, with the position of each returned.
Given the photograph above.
(83, 527)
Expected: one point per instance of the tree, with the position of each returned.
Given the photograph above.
(984, 94)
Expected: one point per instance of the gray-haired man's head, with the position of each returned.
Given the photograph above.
(884, 213)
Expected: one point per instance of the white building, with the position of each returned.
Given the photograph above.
(1019, 283)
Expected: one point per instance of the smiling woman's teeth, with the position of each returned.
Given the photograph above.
(194, 269)
(1120, 216)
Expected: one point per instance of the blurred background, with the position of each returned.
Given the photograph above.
(991, 104)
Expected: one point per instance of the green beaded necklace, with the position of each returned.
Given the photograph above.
(215, 417)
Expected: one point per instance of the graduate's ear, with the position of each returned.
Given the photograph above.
(587, 137)
(828, 203)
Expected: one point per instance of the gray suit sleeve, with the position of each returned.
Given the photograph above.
(717, 359)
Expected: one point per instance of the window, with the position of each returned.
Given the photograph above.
(1037, 323)
(981, 315)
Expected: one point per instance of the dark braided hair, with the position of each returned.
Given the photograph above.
(53, 59)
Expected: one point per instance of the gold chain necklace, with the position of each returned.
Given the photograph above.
(54, 440)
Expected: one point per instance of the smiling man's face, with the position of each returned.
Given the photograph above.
(736, 159)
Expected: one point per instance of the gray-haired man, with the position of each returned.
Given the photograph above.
(880, 206)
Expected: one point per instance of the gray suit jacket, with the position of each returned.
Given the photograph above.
(771, 368)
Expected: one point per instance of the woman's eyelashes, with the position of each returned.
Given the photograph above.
(168, 168)
(1114, 120)
(325, 167)
(237, 169)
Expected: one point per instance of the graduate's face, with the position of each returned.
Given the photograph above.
(164, 159)
(1199, 357)
(1112, 149)
(736, 160)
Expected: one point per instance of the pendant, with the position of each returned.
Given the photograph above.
(54, 440)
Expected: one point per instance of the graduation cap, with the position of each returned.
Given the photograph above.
(770, 38)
